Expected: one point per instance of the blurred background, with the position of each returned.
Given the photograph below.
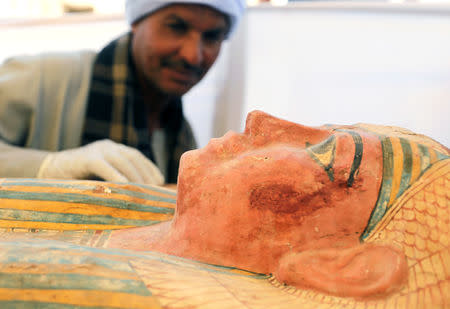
(312, 62)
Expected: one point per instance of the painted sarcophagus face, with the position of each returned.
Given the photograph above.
(280, 216)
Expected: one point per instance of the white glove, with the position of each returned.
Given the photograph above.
(103, 159)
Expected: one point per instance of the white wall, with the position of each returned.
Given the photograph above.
(313, 63)
(384, 65)
(37, 37)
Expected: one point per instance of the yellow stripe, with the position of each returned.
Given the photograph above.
(433, 156)
(82, 209)
(398, 168)
(80, 269)
(81, 298)
(416, 162)
(58, 226)
(122, 197)
(170, 190)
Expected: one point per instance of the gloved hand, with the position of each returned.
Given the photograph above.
(103, 159)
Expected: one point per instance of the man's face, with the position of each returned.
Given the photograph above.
(278, 187)
(176, 46)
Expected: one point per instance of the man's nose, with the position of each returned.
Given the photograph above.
(191, 50)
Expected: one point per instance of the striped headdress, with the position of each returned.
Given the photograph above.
(406, 156)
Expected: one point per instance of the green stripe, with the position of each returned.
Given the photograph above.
(83, 199)
(54, 281)
(48, 217)
(407, 166)
(440, 156)
(357, 157)
(17, 304)
(424, 158)
(385, 189)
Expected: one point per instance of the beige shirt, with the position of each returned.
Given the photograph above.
(42, 107)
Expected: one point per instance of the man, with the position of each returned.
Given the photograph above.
(122, 104)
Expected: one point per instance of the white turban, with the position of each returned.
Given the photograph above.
(137, 9)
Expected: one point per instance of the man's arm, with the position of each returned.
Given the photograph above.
(20, 162)
(19, 90)
(41, 115)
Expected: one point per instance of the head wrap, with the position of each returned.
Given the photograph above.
(138, 9)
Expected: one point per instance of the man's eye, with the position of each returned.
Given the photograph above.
(178, 27)
(213, 36)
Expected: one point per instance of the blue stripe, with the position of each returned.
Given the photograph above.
(48, 217)
(407, 166)
(83, 199)
(385, 188)
(143, 195)
(69, 281)
(61, 257)
(16, 304)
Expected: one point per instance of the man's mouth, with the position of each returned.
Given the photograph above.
(185, 76)
(183, 72)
